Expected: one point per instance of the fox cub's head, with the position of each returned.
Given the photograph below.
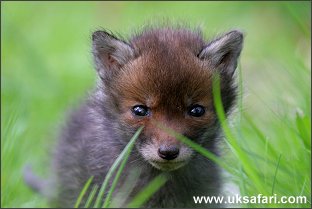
(165, 76)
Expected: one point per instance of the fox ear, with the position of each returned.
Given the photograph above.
(224, 51)
(110, 53)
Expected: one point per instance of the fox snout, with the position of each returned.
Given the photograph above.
(165, 153)
(168, 152)
(168, 147)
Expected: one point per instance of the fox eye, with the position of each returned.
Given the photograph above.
(196, 110)
(140, 110)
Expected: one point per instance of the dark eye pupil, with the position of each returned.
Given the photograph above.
(140, 110)
(196, 111)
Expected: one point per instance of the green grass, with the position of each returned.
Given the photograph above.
(148, 191)
(121, 162)
(124, 155)
(47, 68)
(83, 192)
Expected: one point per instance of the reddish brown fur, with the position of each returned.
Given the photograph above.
(168, 78)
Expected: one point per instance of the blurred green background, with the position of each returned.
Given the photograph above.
(46, 69)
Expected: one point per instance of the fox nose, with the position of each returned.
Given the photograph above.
(168, 152)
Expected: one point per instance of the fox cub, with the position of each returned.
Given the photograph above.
(162, 74)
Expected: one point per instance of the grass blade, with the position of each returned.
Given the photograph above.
(91, 196)
(121, 197)
(231, 139)
(114, 167)
(260, 135)
(148, 191)
(83, 191)
(121, 167)
(240, 95)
